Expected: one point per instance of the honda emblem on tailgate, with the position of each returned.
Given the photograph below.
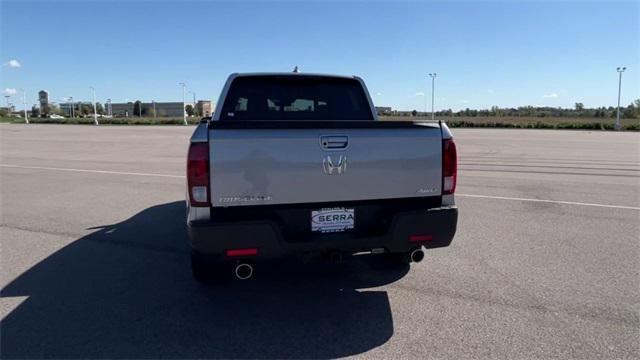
(334, 169)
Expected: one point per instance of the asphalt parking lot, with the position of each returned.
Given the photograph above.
(545, 263)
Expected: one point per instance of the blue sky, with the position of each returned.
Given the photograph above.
(485, 53)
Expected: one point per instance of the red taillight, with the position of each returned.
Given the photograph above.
(449, 166)
(242, 252)
(198, 174)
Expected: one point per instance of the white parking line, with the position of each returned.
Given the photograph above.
(92, 171)
(461, 195)
(550, 201)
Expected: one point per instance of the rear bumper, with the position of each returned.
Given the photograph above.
(214, 239)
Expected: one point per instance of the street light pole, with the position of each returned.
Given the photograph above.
(433, 82)
(620, 70)
(184, 113)
(95, 111)
(24, 103)
(70, 101)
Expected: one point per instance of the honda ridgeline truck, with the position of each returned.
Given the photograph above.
(297, 165)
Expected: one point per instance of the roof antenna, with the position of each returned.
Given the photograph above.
(295, 70)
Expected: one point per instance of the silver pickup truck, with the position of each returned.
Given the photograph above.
(297, 165)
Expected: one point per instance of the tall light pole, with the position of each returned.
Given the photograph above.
(620, 70)
(184, 113)
(433, 86)
(7, 97)
(24, 103)
(95, 111)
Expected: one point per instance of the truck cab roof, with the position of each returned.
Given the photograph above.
(294, 96)
(300, 74)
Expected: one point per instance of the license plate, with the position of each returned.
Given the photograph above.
(332, 220)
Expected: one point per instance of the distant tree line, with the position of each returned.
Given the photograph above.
(80, 110)
(86, 110)
(632, 111)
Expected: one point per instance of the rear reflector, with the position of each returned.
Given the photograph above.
(449, 166)
(420, 238)
(198, 174)
(199, 194)
(242, 252)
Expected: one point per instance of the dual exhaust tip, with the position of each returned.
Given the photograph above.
(416, 255)
(244, 271)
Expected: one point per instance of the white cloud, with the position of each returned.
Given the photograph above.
(549, 96)
(464, 101)
(419, 93)
(9, 91)
(13, 63)
(379, 94)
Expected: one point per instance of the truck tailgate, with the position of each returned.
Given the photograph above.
(268, 166)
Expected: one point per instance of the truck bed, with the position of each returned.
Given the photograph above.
(288, 162)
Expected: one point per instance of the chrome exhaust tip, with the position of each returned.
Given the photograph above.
(417, 255)
(243, 271)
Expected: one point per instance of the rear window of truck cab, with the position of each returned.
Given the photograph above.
(295, 98)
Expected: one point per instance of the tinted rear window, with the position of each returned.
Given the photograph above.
(295, 98)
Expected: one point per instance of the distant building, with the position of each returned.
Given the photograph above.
(9, 109)
(205, 107)
(43, 98)
(170, 109)
(66, 107)
(121, 109)
(162, 109)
